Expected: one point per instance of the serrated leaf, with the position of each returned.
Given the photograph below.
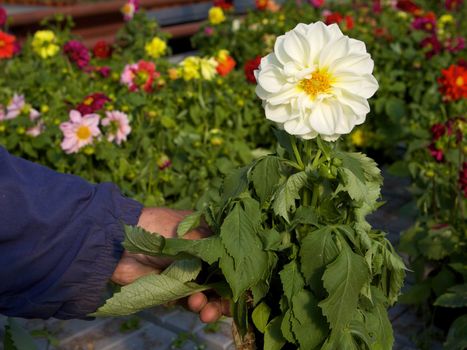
(184, 270)
(377, 322)
(189, 223)
(292, 280)
(16, 337)
(146, 292)
(305, 215)
(340, 340)
(456, 296)
(244, 255)
(271, 239)
(395, 272)
(287, 193)
(343, 279)
(273, 338)
(235, 183)
(308, 323)
(457, 336)
(286, 327)
(260, 316)
(317, 250)
(138, 240)
(265, 176)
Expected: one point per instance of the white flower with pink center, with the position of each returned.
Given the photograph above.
(15, 106)
(80, 131)
(119, 126)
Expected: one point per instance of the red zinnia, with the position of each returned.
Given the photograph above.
(102, 49)
(453, 83)
(92, 103)
(336, 17)
(7, 45)
(250, 67)
(409, 6)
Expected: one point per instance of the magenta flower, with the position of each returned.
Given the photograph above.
(129, 9)
(77, 53)
(80, 131)
(453, 4)
(432, 45)
(426, 23)
(438, 130)
(437, 154)
(3, 16)
(317, 3)
(208, 31)
(15, 106)
(92, 103)
(119, 126)
(455, 44)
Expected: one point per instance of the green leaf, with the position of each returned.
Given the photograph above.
(235, 183)
(16, 337)
(340, 340)
(377, 322)
(271, 239)
(286, 327)
(146, 292)
(244, 255)
(343, 280)
(308, 323)
(184, 270)
(395, 109)
(456, 296)
(457, 336)
(265, 176)
(287, 193)
(395, 271)
(240, 315)
(399, 168)
(305, 215)
(260, 316)
(292, 280)
(417, 294)
(273, 338)
(317, 250)
(138, 240)
(190, 222)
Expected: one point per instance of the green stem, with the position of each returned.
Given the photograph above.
(298, 158)
(316, 160)
(314, 198)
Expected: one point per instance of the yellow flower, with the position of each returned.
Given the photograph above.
(44, 43)
(190, 68)
(445, 19)
(358, 138)
(174, 73)
(156, 47)
(208, 68)
(222, 55)
(216, 15)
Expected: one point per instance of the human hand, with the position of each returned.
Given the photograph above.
(164, 221)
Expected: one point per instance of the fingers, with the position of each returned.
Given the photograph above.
(128, 270)
(197, 301)
(209, 310)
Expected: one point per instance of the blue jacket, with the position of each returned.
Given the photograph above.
(60, 240)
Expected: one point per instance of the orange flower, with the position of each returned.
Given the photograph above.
(7, 45)
(225, 63)
(453, 83)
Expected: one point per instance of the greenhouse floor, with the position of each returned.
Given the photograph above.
(174, 328)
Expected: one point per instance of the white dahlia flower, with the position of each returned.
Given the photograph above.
(316, 82)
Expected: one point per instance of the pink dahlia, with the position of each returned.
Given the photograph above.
(36, 130)
(139, 75)
(77, 53)
(15, 106)
(119, 126)
(79, 131)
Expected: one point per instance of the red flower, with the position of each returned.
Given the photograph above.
(432, 45)
(261, 4)
(377, 7)
(3, 16)
(92, 103)
(7, 45)
(463, 179)
(438, 130)
(426, 23)
(224, 4)
(436, 153)
(250, 67)
(336, 17)
(409, 6)
(453, 83)
(77, 53)
(102, 49)
(225, 66)
(453, 4)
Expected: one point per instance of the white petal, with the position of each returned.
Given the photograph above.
(356, 63)
(271, 79)
(296, 47)
(289, 91)
(322, 119)
(317, 36)
(334, 31)
(333, 50)
(357, 46)
(358, 104)
(297, 126)
(362, 85)
(280, 113)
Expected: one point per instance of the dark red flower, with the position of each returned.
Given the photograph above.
(250, 67)
(77, 53)
(437, 154)
(92, 103)
(426, 23)
(453, 4)
(104, 71)
(455, 44)
(336, 17)
(438, 130)
(432, 46)
(224, 4)
(102, 49)
(3, 16)
(377, 8)
(261, 4)
(409, 6)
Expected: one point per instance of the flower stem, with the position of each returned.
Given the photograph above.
(314, 198)
(298, 158)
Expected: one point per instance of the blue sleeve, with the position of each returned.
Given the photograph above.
(60, 240)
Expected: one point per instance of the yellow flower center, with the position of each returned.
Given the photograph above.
(459, 81)
(2, 43)
(83, 132)
(320, 82)
(88, 101)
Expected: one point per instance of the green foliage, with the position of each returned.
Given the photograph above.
(16, 337)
